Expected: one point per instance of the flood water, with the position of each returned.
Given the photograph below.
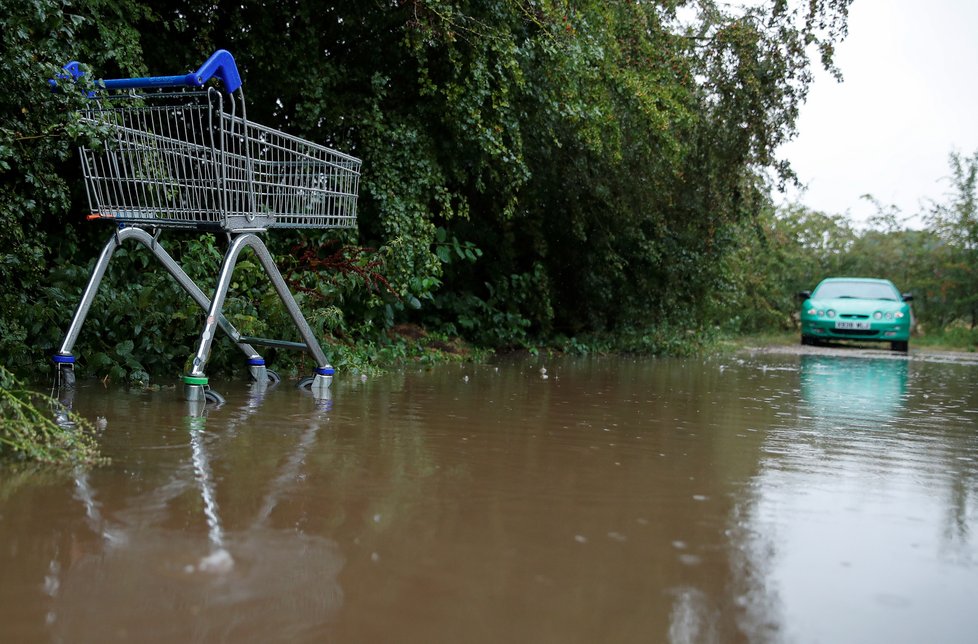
(759, 497)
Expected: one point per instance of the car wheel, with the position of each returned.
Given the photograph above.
(902, 346)
(806, 340)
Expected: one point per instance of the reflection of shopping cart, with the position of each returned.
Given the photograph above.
(179, 154)
(210, 565)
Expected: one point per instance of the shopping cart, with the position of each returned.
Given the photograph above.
(178, 152)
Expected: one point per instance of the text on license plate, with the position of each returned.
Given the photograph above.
(844, 324)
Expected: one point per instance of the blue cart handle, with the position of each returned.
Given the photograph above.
(220, 65)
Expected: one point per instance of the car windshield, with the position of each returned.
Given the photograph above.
(858, 290)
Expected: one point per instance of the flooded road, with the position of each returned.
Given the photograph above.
(823, 496)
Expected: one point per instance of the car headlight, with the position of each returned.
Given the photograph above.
(877, 316)
(830, 313)
(898, 314)
(889, 316)
(821, 313)
(811, 311)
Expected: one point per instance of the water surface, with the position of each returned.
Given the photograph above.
(763, 497)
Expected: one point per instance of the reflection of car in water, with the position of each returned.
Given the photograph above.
(853, 392)
(848, 308)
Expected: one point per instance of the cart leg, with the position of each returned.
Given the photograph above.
(64, 360)
(196, 377)
(64, 355)
(64, 376)
(195, 381)
(320, 382)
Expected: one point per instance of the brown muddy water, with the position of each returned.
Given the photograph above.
(825, 496)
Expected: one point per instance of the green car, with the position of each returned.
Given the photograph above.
(856, 308)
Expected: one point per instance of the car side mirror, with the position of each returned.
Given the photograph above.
(907, 297)
(804, 295)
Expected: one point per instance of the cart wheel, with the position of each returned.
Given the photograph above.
(273, 377)
(213, 397)
(316, 382)
(318, 385)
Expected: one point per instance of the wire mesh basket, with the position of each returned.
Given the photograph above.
(186, 159)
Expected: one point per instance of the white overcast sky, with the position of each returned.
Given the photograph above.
(909, 97)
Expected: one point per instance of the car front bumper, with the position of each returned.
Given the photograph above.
(880, 331)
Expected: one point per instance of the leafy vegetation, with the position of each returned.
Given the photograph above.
(533, 171)
(590, 175)
(38, 428)
(792, 248)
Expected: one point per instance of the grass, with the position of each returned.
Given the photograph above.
(961, 339)
(761, 339)
(951, 339)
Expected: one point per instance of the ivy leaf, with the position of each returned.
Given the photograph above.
(124, 348)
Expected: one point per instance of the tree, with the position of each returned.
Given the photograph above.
(955, 222)
(782, 252)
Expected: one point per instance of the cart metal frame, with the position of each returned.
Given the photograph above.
(177, 152)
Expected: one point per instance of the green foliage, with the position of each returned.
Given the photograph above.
(791, 249)
(955, 249)
(779, 254)
(955, 337)
(531, 170)
(35, 427)
(36, 142)
(608, 150)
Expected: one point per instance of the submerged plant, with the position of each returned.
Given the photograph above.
(37, 427)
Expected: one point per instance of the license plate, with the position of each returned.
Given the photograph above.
(845, 324)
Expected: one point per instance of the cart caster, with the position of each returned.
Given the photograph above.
(66, 376)
(260, 374)
(319, 383)
(213, 397)
(195, 390)
(62, 413)
(261, 377)
(64, 371)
